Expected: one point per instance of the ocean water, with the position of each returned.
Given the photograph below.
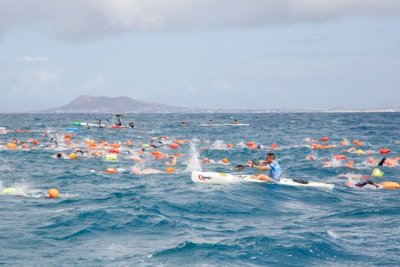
(165, 219)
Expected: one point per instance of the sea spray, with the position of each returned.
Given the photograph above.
(194, 163)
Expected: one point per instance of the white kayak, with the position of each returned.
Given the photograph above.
(87, 124)
(102, 125)
(226, 178)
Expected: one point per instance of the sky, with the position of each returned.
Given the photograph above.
(261, 54)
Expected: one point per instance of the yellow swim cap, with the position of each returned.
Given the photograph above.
(360, 152)
(9, 190)
(111, 157)
(377, 172)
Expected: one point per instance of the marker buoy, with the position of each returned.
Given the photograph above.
(111, 170)
(384, 151)
(53, 193)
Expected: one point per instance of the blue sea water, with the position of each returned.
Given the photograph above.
(166, 219)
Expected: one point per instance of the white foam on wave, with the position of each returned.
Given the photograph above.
(194, 163)
(219, 145)
(332, 234)
(20, 189)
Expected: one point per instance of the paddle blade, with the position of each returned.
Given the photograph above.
(239, 168)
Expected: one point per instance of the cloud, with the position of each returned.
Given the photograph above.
(32, 59)
(77, 20)
(45, 77)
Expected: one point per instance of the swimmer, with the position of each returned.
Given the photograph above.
(235, 122)
(172, 163)
(60, 156)
(210, 122)
(311, 157)
(344, 142)
(364, 183)
(271, 165)
(136, 170)
(208, 161)
(352, 150)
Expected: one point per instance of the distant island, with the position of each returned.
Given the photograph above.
(93, 104)
(102, 104)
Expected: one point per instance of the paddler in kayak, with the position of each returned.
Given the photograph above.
(269, 164)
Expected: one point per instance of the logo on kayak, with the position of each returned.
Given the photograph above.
(203, 178)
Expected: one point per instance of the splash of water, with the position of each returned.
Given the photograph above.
(218, 145)
(194, 163)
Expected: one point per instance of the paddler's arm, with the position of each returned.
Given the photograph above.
(259, 167)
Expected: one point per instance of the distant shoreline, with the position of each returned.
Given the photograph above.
(215, 112)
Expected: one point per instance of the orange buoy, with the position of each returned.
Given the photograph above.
(113, 151)
(11, 146)
(325, 139)
(91, 145)
(174, 146)
(390, 185)
(53, 193)
(251, 145)
(35, 142)
(111, 170)
(340, 157)
(170, 170)
(358, 142)
(350, 164)
(384, 151)
(115, 145)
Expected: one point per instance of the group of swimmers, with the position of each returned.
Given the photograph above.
(163, 149)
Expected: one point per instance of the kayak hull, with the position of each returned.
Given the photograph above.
(86, 124)
(226, 178)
